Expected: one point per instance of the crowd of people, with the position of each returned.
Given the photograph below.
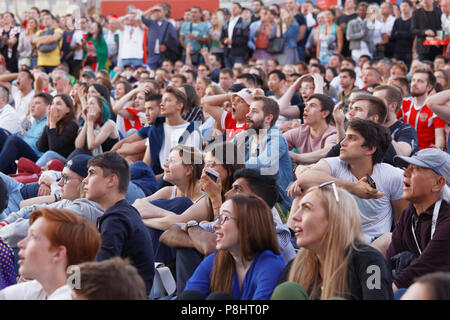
(276, 152)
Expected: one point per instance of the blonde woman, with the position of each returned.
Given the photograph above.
(288, 29)
(26, 51)
(216, 47)
(334, 260)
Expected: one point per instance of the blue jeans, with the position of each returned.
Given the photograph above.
(154, 61)
(13, 147)
(49, 155)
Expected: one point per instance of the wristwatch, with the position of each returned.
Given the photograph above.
(191, 223)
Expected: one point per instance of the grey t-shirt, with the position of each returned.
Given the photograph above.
(376, 214)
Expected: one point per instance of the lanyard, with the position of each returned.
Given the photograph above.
(437, 207)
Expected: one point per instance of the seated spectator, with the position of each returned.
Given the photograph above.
(112, 279)
(122, 232)
(192, 111)
(56, 240)
(70, 197)
(13, 147)
(98, 132)
(404, 137)
(9, 118)
(362, 150)
(264, 146)
(247, 262)
(347, 83)
(132, 148)
(422, 229)
(194, 241)
(334, 260)
(57, 138)
(432, 286)
(7, 273)
(313, 139)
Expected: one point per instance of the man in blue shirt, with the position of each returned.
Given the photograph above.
(194, 32)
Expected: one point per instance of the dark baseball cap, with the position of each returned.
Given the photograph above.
(78, 164)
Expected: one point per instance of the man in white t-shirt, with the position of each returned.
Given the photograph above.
(78, 39)
(362, 151)
(131, 40)
(22, 92)
(9, 119)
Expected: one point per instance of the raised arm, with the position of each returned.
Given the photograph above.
(439, 103)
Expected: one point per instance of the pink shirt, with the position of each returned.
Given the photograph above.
(300, 139)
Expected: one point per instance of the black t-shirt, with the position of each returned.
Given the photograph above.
(301, 20)
(403, 132)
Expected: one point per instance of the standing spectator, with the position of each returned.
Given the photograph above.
(414, 111)
(358, 35)
(387, 21)
(131, 41)
(260, 32)
(445, 18)
(426, 21)
(401, 34)
(26, 51)
(48, 44)
(376, 29)
(160, 30)
(347, 82)
(216, 46)
(235, 35)
(9, 34)
(257, 6)
(330, 38)
(288, 29)
(96, 50)
(348, 15)
(195, 33)
(313, 37)
(293, 8)
(78, 40)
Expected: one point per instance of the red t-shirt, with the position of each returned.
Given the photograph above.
(231, 127)
(422, 119)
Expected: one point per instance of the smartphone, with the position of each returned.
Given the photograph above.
(214, 175)
(370, 181)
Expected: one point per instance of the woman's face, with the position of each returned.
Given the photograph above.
(93, 92)
(215, 164)
(310, 222)
(60, 106)
(329, 75)
(35, 255)
(175, 171)
(92, 104)
(227, 233)
(214, 19)
(200, 87)
(139, 102)
(284, 14)
(93, 28)
(119, 92)
(440, 78)
(32, 24)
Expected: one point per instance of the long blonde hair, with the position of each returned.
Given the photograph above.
(344, 231)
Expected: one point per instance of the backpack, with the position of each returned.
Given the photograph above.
(48, 47)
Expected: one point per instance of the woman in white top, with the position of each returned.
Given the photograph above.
(56, 240)
(183, 169)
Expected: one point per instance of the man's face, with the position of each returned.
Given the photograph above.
(239, 108)
(95, 184)
(369, 77)
(291, 5)
(47, 20)
(385, 9)
(306, 89)
(240, 186)
(350, 5)
(176, 82)
(255, 116)
(168, 66)
(405, 9)
(225, 80)
(419, 84)
(195, 14)
(346, 81)
(418, 183)
(169, 105)
(235, 10)
(396, 71)
(274, 82)
(347, 65)
(38, 108)
(445, 6)
(334, 62)
(351, 146)
(256, 6)
(358, 109)
(313, 113)
(439, 63)
(23, 81)
(271, 66)
(151, 111)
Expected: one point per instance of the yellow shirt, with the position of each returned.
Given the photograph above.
(52, 58)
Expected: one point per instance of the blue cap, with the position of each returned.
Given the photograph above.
(431, 158)
(78, 164)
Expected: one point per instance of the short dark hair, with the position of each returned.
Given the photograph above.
(264, 186)
(326, 102)
(113, 163)
(279, 73)
(153, 97)
(227, 70)
(270, 106)
(376, 106)
(249, 77)
(321, 67)
(351, 73)
(48, 98)
(348, 59)
(375, 135)
(408, 2)
(181, 76)
(431, 77)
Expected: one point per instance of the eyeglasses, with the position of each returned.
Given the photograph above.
(336, 194)
(65, 178)
(222, 218)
